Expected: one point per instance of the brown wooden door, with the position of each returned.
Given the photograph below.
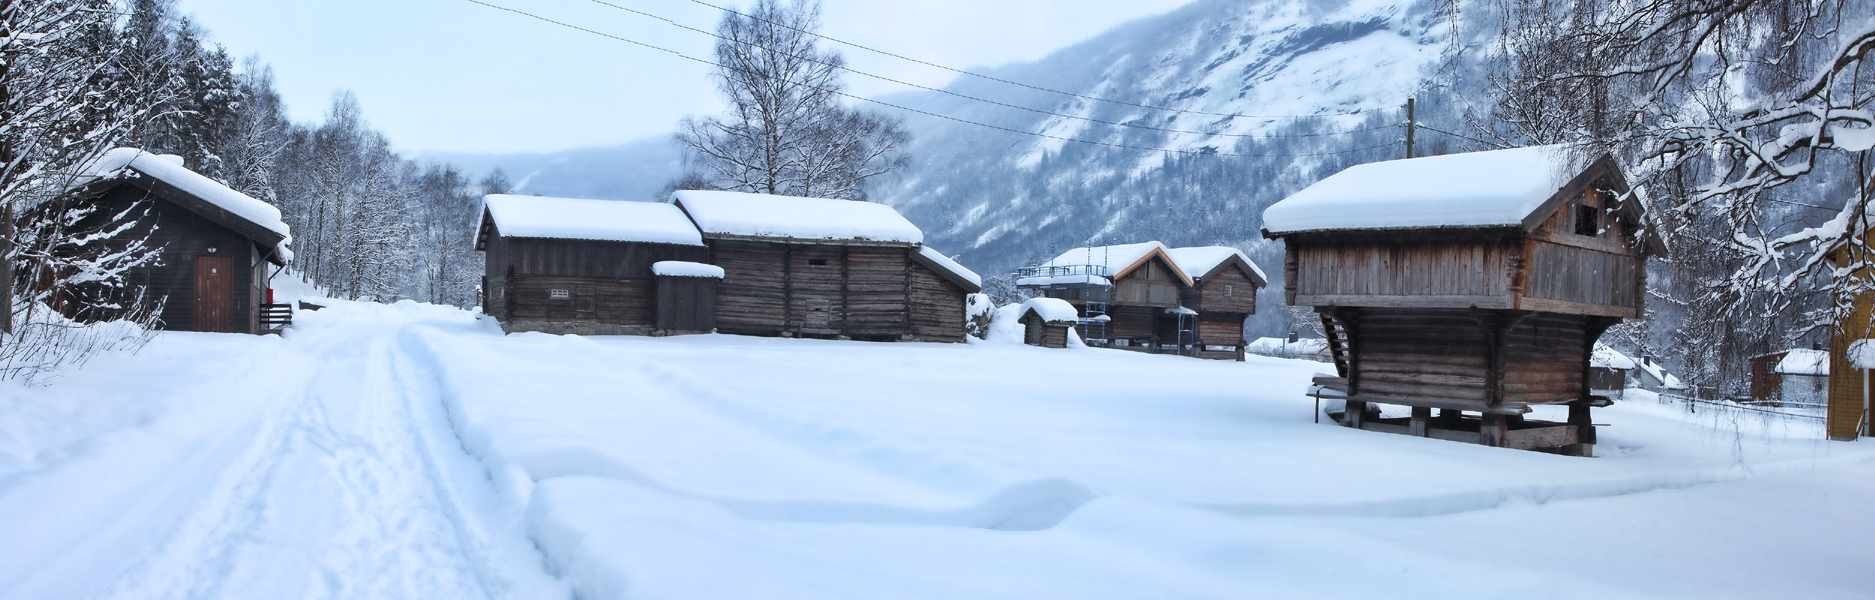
(214, 293)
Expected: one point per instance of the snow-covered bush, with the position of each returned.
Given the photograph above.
(979, 312)
(44, 342)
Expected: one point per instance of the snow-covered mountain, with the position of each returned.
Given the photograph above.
(1001, 198)
(634, 170)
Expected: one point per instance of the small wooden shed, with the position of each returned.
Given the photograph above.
(567, 265)
(818, 267)
(1223, 293)
(217, 244)
(1136, 287)
(1473, 283)
(686, 296)
(1046, 322)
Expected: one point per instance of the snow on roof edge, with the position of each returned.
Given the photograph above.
(112, 163)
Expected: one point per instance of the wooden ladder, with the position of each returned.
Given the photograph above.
(1337, 344)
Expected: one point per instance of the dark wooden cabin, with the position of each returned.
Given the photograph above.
(1136, 287)
(823, 268)
(1474, 283)
(217, 245)
(565, 265)
(1223, 293)
(1046, 322)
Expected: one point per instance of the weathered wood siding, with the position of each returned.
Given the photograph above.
(1590, 280)
(588, 300)
(1422, 273)
(1037, 332)
(820, 290)
(937, 307)
(878, 291)
(1229, 291)
(1445, 354)
(1220, 329)
(686, 304)
(1131, 322)
(183, 235)
(1151, 284)
(588, 258)
(753, 297)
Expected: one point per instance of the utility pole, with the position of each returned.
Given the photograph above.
(1409, 127)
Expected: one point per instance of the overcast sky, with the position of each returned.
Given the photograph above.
(449, 75)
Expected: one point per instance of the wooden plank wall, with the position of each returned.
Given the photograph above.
(1131, 322)
(937, 307)
(1425, 353)
(1151, 284)
(1583, 275)
(182, 235)
(878, 291)
(1211, 296)
(1403, 270)
(686, 304)
(1546, 359)
(1036, 332)
(1220, 329)
(588, 258)
(752, 299)
(591, 300)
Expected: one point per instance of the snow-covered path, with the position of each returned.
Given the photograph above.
(410, 451)
(341, 479)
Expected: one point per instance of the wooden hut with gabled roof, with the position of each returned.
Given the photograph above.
(1476, 284)
(570, 265)
(1135, 287)
(818, 267)
(217, 244)
(1223, 293)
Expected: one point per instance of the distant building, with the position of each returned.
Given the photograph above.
(1795, 376)
(219, 247)
(1315, 349)
(1144, 297)
(1046, 322)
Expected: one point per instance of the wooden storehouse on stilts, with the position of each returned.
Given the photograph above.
(217, 247)
(1223, 293)
(1126, 294)
(1475, 284)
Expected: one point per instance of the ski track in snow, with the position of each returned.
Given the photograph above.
(341, 495)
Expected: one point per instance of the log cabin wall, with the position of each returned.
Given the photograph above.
(1038, 332)
(878, 292)
(1227, 291)
(937, 307)
(820, 290)
(1403, 273)
(595, 300)
(753, 298)
(686, 304)
(1546, 360)
(570, 286)
(1131, 322)
(182, 235)
(1421, 353)
(1220, 329)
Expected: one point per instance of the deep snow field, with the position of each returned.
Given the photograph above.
(411, 451)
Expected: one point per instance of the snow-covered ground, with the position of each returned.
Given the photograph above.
(411, 451)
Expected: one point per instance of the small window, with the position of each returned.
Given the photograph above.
(1227, 290)
(816, 262)
(559, 294)
(1588, 220)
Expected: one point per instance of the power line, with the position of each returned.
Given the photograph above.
(914, 110)
(1020, 84)
(1463, 137)
(966, 96)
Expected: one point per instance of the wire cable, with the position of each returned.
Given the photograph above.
(1032, 87)
(914, 110)
(1463, 137)
(969, 97)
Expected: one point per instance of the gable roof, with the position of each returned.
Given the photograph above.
(1116, 261)
(165, 177)
(1203, 262)
(1051, 310)
(792, 218)
(584, 219)
(1516, 187)
(949, 269)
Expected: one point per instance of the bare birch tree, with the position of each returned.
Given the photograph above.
(787, 132)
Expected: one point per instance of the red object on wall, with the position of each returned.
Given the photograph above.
(270, 295)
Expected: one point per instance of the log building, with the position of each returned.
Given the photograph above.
(1475, 284)
(216, 244)
(566, 265)
(1046, 322)
(1223, 293)
(817, 267)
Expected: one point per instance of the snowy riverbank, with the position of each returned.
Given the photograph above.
(413, 451)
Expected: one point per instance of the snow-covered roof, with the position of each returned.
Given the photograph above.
(950, 268)
(1197, 261)
(678, 268)
(1472, 189)
(586, 219)
(1113, 261)
(1861, 354)
(1050, 309)
(792, 217)
(1065, 280)
(168, 169)
(1607, 357)
(1804, 362)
